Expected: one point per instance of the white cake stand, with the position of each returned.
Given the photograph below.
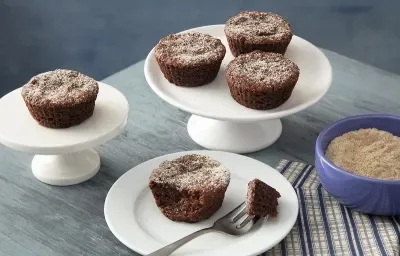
(65, 156)
(219, 122)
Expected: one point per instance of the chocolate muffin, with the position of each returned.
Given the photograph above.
(60, 98)
(261, 80)
(265, 31)
(190, 188)
(190, 59)
(262, 200)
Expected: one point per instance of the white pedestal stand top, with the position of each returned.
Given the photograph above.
(219, 122)
(64, 156)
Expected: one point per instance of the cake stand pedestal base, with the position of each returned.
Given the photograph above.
(233, 137)
(67, 169)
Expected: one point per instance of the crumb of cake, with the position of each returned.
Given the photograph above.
(262, 199)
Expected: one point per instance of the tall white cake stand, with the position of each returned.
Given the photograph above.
(64, 156)
(218, 122)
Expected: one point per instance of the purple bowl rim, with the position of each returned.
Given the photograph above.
(339, 122)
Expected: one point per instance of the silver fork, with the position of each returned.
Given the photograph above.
(235, 223)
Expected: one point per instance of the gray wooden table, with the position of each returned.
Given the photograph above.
(38, 219)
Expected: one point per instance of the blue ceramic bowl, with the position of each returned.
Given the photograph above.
(373, 196)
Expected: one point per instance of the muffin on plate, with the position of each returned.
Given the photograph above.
(60, 98)
(189, 188)
(262, 200)
(261, 80)
(252, 30)
(190, 59)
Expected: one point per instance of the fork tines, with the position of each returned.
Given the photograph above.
(238, 213)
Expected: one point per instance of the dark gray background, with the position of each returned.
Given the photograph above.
(101, 37)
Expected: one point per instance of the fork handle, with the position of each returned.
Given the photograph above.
(169, 249)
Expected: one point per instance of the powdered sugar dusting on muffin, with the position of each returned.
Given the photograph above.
(258, 26)
(189, 48)
(191, 172)
(263, 68)
(59, 87)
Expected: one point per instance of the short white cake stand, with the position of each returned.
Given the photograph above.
(219, 122)
(64, 156)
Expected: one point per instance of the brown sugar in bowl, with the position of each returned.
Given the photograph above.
(360, 193)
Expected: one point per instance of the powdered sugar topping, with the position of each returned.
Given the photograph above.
(257, 26)
(189, 48)
(59, 87)
(265, 68)
(191, 172)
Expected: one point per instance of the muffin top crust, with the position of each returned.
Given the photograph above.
(60, 87)
(191, 172)
(190, 49)
(258, 27)
(265, 69)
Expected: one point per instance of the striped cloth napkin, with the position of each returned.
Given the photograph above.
(325, 227)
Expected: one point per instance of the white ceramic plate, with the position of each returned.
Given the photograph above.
(25, 134)
(134, 218)
(214, 100)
